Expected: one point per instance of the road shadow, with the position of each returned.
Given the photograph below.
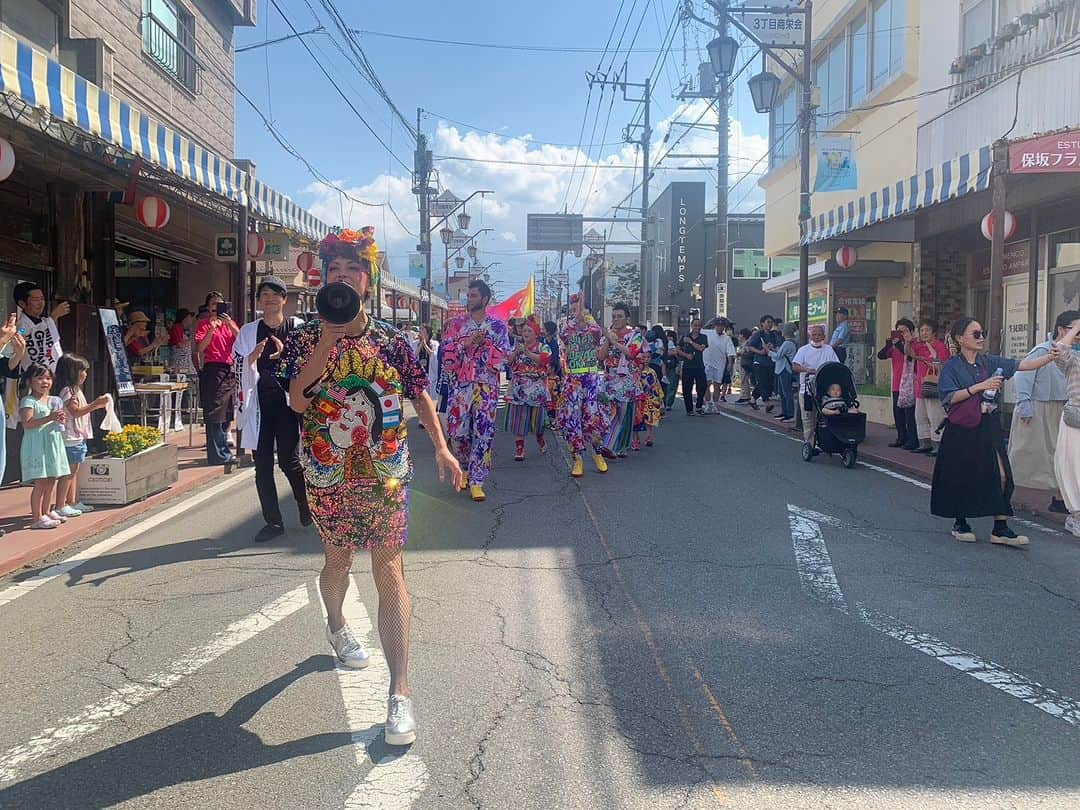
(198, 748)
(234, 544)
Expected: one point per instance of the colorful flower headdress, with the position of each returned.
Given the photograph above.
(353, 246)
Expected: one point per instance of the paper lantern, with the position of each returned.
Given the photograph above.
(401, 302)
(7, 160)
(988, 225)
(256, 246)
(305, 262)
(846, 257)
(152, 212)
(314, 277)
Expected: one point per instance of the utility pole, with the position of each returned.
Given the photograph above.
(645, 143)
(723, 135)
(545, 292)
(421, 174)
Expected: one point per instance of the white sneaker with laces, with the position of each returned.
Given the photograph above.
(1072, 524)
(400, 728)
(348, 650)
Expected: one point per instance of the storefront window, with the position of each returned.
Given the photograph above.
(1065, 248)
(782, 265)
(148, 282)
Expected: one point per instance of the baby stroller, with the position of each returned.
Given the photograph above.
(840, 433)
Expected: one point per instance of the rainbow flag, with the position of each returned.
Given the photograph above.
(518, 305)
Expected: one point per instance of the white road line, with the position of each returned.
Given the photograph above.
(13, 592)
(395, 782)
(915, 482)
(813, 561)
(1041, 697)
(132, 695)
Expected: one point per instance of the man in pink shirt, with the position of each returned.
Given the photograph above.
(214, 341)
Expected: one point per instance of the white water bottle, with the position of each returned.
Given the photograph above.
(990, 395)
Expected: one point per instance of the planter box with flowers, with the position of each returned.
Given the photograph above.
(137, 464)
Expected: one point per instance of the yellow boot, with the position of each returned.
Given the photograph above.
(578, 469)
(601, 464)
(477, 493)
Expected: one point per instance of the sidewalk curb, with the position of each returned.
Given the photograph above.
(102, 521)
(1019, 502)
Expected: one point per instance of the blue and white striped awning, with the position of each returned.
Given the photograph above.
(43, 83)
(954, 178)
(276, 207)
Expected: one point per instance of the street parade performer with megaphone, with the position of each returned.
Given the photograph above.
(347, 379)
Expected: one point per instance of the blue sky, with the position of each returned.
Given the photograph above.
(524, 97)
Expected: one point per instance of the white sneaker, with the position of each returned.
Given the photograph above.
(54, 515)
(44, 522)
(400, 728)
(70, 512)
(230, 440)
(348, 650)
(1072, 524)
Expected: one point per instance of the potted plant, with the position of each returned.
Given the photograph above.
(137, 463)
(958, 66)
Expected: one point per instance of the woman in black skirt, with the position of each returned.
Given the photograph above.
(972, 477)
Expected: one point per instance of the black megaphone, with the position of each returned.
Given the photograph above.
(338, 303)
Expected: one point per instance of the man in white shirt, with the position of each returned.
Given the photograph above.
(808, 359)
(719, 359)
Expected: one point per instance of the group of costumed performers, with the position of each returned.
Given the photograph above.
(347, 382)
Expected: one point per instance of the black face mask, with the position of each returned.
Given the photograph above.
(338, 303)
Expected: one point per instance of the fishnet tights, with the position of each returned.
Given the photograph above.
(395, 609)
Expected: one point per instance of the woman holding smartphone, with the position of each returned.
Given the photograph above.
(214, 341)
(972, 476)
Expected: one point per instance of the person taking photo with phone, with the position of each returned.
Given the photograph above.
(214, 341)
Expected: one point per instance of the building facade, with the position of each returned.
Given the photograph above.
(738, 294)
(107, 103)
(866, 67)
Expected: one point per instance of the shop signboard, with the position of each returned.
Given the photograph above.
(773, 26)
(1015, 264)
(1015, 342)
(226, 248)
(818, 306)
(1050, 154)
(277, 247)
(417, 265)
(114, 340)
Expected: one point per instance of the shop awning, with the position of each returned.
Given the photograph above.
(43, 83)
(953, 178)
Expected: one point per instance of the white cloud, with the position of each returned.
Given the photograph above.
(531, 177)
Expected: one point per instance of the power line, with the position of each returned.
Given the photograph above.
(367, 70)
(551, 165)
(345, 98)
(525, 138)
(496, 45)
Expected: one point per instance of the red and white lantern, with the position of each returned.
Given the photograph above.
(305, 262)
(988, 226)
(7, 160)
(152, 212)
(846, 257)
(256, 246)
(402, 302)
(314, 277)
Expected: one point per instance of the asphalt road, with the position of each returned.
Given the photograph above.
(714, 623)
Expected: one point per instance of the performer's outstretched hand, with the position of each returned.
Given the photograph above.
(448, 464)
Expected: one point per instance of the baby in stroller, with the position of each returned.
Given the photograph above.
(835, 403)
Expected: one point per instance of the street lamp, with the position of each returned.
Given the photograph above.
(460, 262)
(471, 250)
(463, 221)
(722, 53)
(446, 234)
(764, 88)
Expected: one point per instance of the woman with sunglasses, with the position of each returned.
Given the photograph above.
(972, 476)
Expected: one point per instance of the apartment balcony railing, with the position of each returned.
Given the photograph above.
(1050, 25)
(173, 56)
